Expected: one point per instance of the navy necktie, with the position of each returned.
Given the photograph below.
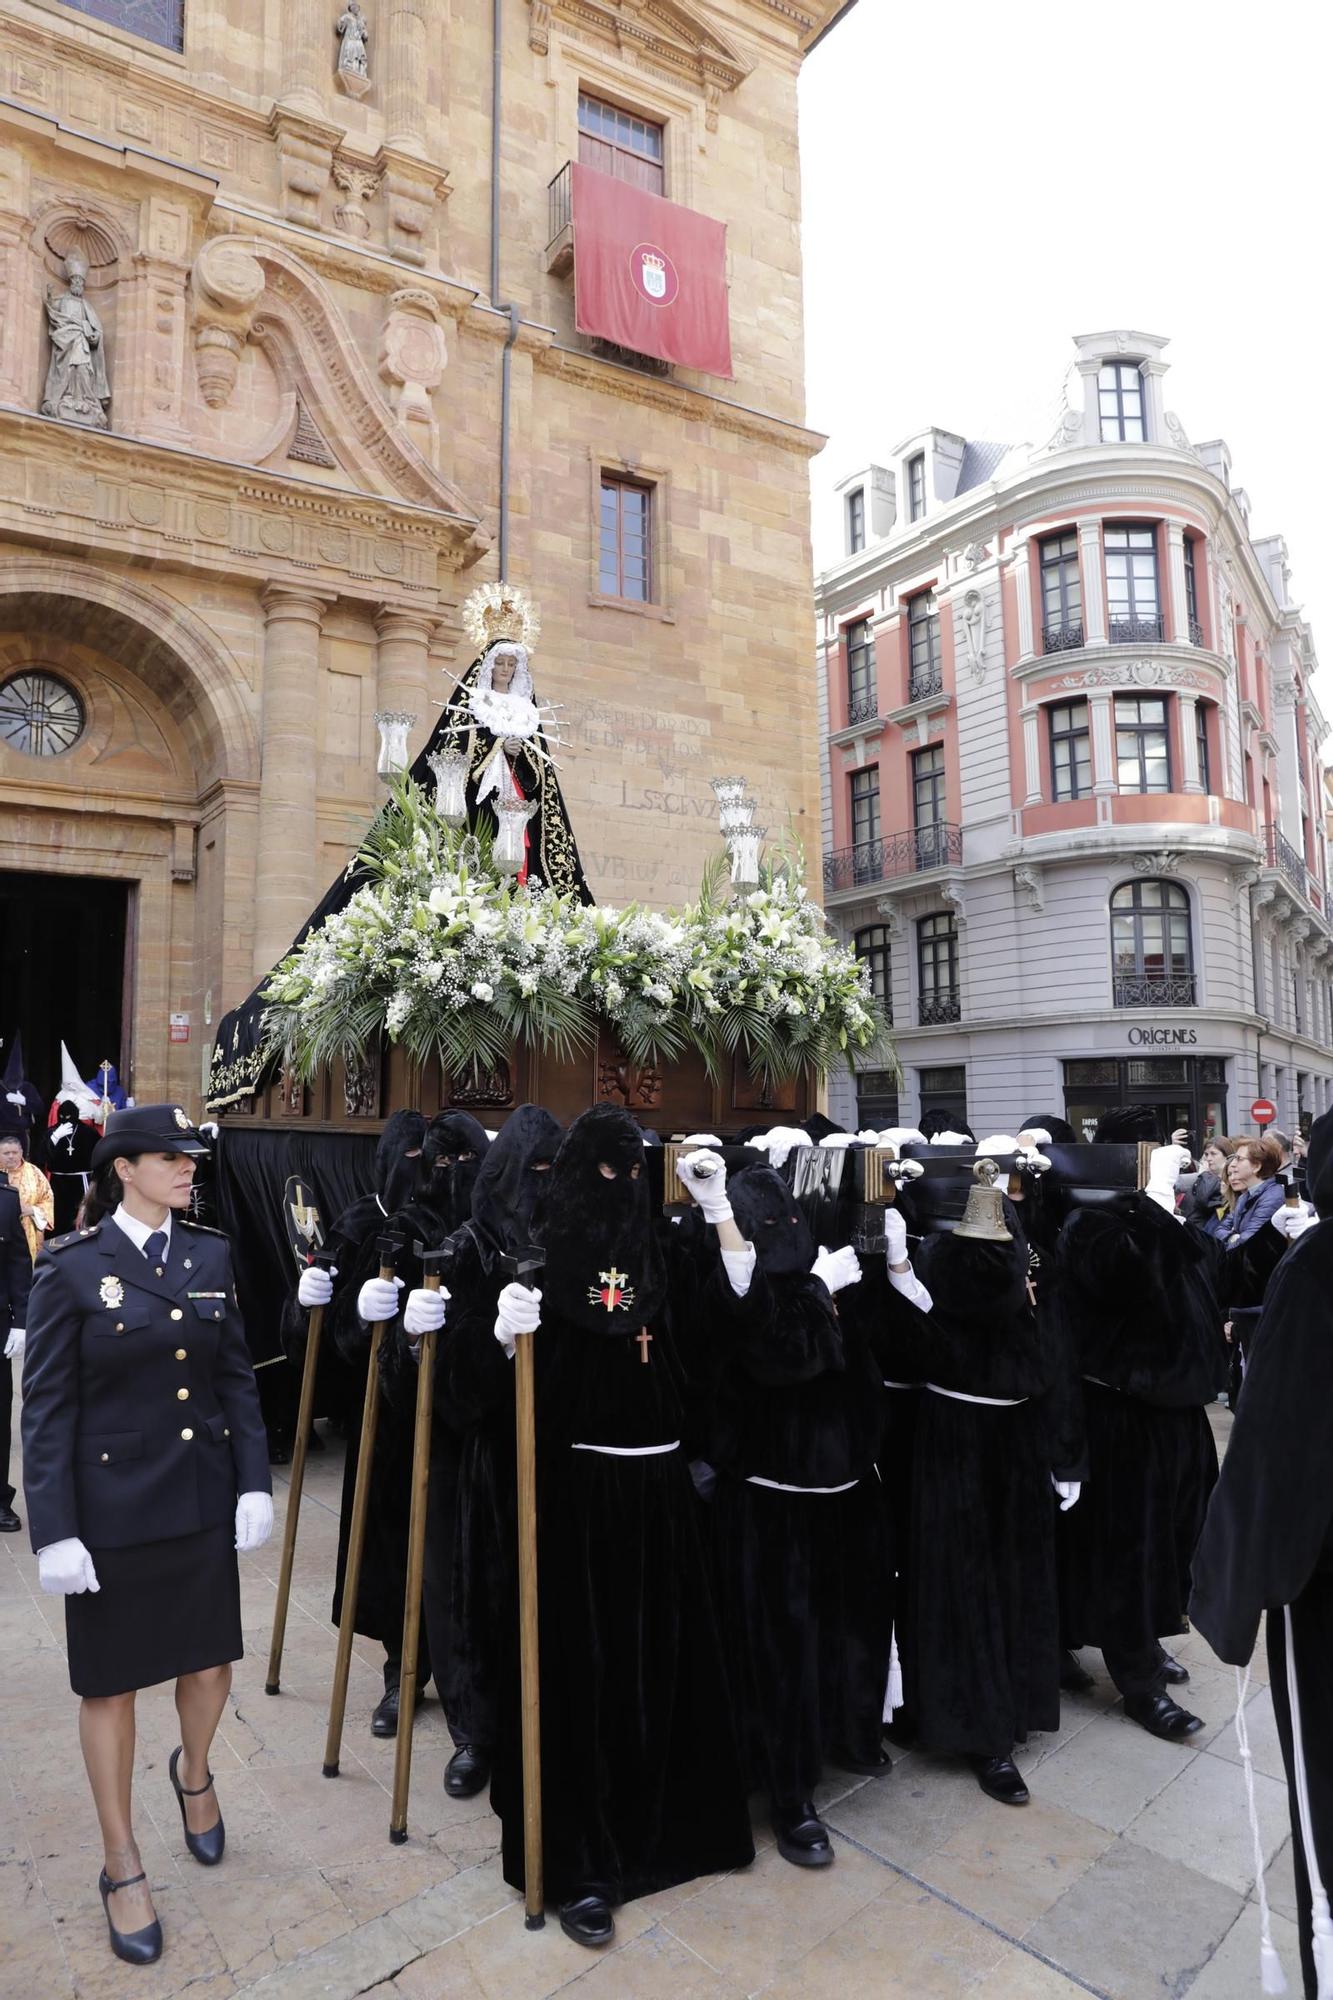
(155, 1250)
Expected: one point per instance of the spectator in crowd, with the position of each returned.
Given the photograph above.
(36, 1201)
(1257, 1194)
(1211, 1195)
(1283, 1142)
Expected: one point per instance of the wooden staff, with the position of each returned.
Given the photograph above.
(523, 1269)
(321, 1260)
(431, 1260)
(389, 1247)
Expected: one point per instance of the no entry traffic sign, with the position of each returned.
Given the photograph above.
(1263, 1111)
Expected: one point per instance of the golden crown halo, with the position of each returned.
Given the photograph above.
(496, 611)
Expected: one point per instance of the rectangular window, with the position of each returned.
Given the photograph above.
(865, 809)
(1142, 745)
(1201, 745)
(160, 21)
(618, 143)
(862, 701)
(625, 567)
(873, 950)
(930, 837)
(916, 487)
(937, 970)
(926, 676)
(1192, 594)
(1133, 604)
(1120, 398)
(1061, 593)
(1071, 751)
(856, 521)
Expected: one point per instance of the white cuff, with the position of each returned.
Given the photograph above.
(911, 1287)
(740, 1268)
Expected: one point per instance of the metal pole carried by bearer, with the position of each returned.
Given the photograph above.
(431, 1262)
(306, 1234)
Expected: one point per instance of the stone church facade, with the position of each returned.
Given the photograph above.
(217, 572)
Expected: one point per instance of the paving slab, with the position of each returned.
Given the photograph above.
(1136, 1926)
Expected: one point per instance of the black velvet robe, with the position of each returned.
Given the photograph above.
(803, 1576)
(1132, 1296)
(979, 1643)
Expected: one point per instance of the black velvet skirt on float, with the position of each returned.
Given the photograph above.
(163, 1609)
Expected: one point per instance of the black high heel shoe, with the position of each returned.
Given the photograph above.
(205, 1847)
(135, 1947)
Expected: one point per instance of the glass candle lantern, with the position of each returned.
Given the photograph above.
(393, 725)
(450, 769)
(512, 816)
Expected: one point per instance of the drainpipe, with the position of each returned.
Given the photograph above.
(499, 305)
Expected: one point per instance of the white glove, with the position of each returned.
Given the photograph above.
(834, 1142)
(1068, 1490)
(316, 1285)
(701, 1139)
(899, 1136)
(779, 1142)
(65, 1569)
(378, 1299)
(1288, 1222)
(837, 1268)
(518, 1311)
(424, 1312)
(708, 1189)
(208, 1131)
(951, 1139)
(998, 1147)
(254, 1521)
(895, 1237)
(1165, 1166)
(15, 1344)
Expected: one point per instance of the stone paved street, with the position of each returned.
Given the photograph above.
(1129, 1876)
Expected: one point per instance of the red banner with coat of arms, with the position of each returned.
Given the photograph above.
(649, 275)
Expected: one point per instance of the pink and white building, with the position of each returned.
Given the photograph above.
(1074, 809)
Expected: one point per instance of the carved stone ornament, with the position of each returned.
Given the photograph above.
(890, 912)
(1134, 673)
(975, 554)
(77, 388)
(951, 895)
(972, 632)
(1029, 877)
(1244, 879)
(226, 285)
(1163, 862)
(1175, 430)
(359, 184)
(353, 32)
(413, 357)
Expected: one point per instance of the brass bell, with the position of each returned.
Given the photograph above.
(983, 1218)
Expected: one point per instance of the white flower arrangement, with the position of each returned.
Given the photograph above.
(438, 954)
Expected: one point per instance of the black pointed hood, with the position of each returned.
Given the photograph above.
(592, 1224)
(769, 1216)
(395, 1164)
(1319, 1164)
(452, 1153)
(20, 1106)
(512, 1178)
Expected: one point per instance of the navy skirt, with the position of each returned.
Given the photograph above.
(164, 1608)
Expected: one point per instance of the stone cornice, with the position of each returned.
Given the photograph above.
(668, 34)
(16, 117)
(1166, 665)
(677, 399)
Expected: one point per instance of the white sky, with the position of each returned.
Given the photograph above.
(983, 182)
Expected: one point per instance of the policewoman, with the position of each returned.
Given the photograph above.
(145, 1468)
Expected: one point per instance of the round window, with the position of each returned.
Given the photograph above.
(39, 715)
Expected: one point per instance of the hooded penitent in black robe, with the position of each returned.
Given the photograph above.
(1267, 1542)
(979, 1644)
(802, 1573)
(641, 1775)
(69, 1155)
(1133, 1298)
(22, 1113)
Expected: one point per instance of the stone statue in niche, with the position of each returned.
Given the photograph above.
(353, 62)
(972, 624)
(77, 388)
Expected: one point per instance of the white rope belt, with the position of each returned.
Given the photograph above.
(629, 1450)
(902, 1385)
(753, 1479)
(961, 1396)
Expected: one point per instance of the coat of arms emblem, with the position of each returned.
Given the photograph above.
(652, 272)
(112, 1293)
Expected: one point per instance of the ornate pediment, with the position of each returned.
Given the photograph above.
(668, 34)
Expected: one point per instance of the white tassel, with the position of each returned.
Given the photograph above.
(1322, 1924)
(1323, 1948)
(893, 1693)
(1272, 1977)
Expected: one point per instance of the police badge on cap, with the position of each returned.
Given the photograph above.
(147, 1128)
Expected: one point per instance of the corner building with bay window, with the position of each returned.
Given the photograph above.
(1074, 808)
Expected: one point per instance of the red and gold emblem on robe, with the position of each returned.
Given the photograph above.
(614, 1292)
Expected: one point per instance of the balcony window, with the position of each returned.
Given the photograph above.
(1192, 594)
(937, 970)
(1071, 751)
(1152, 956)
(872, 948)
(916, 487)
(624, 566)
(1133, 601)
(862, 701)
(618, 143)
(1061, 593)
(1201, 745)
(1142, 744)
(865, 816)
(856, 521)
(925, 676)
(928, 807)
(1120, 400)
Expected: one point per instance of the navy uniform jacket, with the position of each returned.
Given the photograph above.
(141, 1417)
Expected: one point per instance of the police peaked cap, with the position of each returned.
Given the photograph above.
(147, 1128)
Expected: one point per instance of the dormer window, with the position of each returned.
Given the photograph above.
(856, 520)
(916, 487)
(1120, 399)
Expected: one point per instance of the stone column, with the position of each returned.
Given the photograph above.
(1179, 598)
(308, 56)
(1023, 600)
(287, 861)
(1032, 755)
(1189, 706)
(1104, 777)
(1094, 594)
(402, 669)
(403, 54)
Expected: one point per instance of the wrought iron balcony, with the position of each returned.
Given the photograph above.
(1281, 854)
(560, 206)
(1061, 638)
(1135, 631)
(862, 708)
(934, 846)
(1196, 632)
(1155, 990)
(937, 1009)
(924, 681)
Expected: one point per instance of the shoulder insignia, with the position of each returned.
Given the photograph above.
(200, 1228)
(74, 1236)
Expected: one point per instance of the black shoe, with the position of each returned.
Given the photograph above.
(279, 1449)
(9, 1521)
(588, 1920)
(1161, 1716)
(1074, 1676)
(1000, 1778)
(384, 1721)
(802, 1836)
(205, 1847)
(315, 1442)
(1172, 1672)
(467, 1772)
(135, 1947)
(844, 1760)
